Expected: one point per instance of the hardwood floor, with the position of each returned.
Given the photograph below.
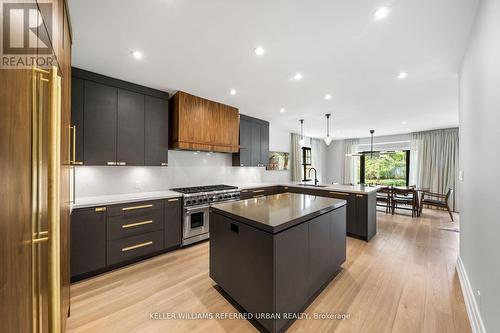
(404, 280)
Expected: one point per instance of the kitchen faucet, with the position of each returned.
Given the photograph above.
(316, 181)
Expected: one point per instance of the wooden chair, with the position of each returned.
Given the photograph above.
(384, 198)
(436, 200)
(406, 196)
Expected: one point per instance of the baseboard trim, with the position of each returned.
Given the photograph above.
(471, 306)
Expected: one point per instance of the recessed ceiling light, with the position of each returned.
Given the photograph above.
(381, 13)
(282, 110)
(259, 50)
(137, 54)
(404, 122)
(408, 129)
(328, 96)
(402, 75)
(297, 77)
(232, 91)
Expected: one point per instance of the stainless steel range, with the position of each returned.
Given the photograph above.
(197, 201)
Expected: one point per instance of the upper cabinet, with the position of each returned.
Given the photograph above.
(254, 142)
(117, 123)
(200, 124)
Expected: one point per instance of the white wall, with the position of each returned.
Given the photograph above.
(185, 169)
(480, 161)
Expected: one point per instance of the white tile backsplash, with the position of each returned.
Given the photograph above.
(185, 169)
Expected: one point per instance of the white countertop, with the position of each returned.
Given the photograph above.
(122, 198)
(360, 189)
(114, 199)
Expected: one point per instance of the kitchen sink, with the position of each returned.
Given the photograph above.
(312, 185)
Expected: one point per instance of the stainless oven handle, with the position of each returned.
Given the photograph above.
(188, 209)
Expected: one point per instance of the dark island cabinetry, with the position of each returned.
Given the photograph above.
(280, 265)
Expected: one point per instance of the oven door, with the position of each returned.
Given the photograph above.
(196, 221)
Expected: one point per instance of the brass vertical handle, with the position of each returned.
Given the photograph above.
(54, 202)
(74, 162)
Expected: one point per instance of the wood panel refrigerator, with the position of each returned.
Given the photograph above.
(30, 168)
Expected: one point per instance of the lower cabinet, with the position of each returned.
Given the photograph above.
(88, 240)
(133, 247)
(104, 238)
(173, 222)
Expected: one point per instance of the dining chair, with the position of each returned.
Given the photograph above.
(404, 196)
(436, 200)
(384, 198)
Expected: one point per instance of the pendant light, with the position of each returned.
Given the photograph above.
(302, 141)
(328, 138)
(371, 143)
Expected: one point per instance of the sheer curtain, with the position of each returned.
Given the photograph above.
(434, 162)
(349, 167)
(318, 157)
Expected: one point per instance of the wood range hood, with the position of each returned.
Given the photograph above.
(200, 124)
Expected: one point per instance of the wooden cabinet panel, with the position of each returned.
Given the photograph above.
(117, 122)
(77, 100)
(200, 124)
(88, 240)
(254, 143)
(173, 222)
(264, 144)
(320, 258)
(130, 128)
(100, 110)
(124, 249)
(156, 131)
(119, 227)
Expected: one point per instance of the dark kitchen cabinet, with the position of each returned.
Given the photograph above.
(88, 240)
(173, 222)
(117, 122)
(254, 143)
(366, 218)
(99, 128)
(320, 258)
(156, 131)
(77, 100)
(130, 128)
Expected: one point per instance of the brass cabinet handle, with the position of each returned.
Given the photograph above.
(171, 200)
(244, 191)
(339, 193)
(258, 191)
(111, 163)
(133, 247)
(286, 187)
(258, 196)
(73, 159)
(100, 209)
(121, 163)
(137, 207)
(164, 164)
(359, 195)
(131, 225)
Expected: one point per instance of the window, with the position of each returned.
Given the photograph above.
(306, 162)
(385, 168)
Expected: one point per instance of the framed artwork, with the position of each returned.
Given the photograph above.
(279, 161)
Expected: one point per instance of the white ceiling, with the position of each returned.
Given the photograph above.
(207, 48)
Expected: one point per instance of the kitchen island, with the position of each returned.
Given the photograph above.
(274, 254)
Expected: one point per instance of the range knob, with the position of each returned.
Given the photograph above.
(188, 202)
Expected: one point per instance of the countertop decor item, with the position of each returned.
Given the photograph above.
(279, 161)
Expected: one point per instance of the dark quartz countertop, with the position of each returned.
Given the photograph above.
(275, 213)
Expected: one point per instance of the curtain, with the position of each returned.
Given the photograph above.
(318, 157)
(296, 157)
(349, 167)
(434, 162)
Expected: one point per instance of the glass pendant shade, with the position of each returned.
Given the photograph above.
(328, 138)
